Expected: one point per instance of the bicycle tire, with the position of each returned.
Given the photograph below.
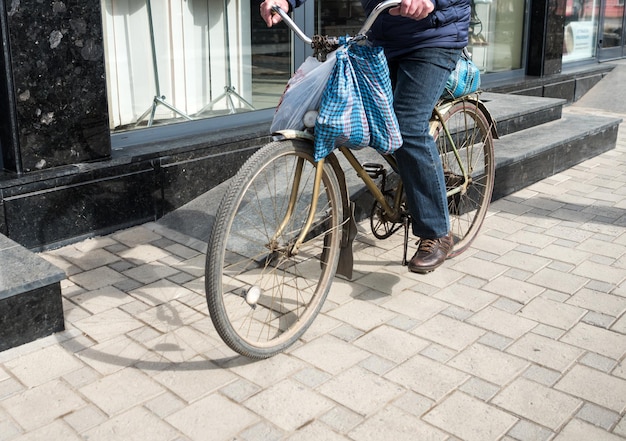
(470, 131)
(243, 255)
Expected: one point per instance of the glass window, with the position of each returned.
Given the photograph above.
(184, 60)
(335, 18)
(581, 22)
(496, 34)
(496, 29)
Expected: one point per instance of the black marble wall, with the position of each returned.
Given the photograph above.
(57, 87)
(545, 39)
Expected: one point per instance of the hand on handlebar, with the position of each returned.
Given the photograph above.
(415, 9)
(268, 15)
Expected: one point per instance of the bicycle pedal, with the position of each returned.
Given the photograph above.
(374, 170)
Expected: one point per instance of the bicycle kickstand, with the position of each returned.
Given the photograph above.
(406, 222)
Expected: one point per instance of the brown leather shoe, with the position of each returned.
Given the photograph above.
(431, 253)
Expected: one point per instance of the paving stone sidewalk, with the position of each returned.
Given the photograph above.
(522, 338)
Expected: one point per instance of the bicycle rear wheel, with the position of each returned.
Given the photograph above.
(261, 296)
(470, 174)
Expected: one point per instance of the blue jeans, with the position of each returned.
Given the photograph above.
(418, 80)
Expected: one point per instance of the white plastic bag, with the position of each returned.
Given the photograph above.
(303, 93)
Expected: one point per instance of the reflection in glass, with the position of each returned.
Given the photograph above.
(581, 22)
(199, 59)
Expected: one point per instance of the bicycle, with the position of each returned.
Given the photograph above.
(286, 224)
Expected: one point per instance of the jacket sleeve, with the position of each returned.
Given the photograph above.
(295, 3)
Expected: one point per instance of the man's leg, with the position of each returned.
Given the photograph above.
(419, 80)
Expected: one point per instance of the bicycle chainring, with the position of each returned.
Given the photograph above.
(381, 225)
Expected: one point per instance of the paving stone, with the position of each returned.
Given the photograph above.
(112, 399)
(577, 430)
(134, 425)
(620, 429)
(276, 404)
(97, 278)
(549, 331)
(602, 341)
(489, 364)
(501, 322)
(465, 297)
(527, 431)
(413, 403)
(596, 271)
(341, 419)
(598, 320)
(495, 341)
(480, 268)
(470, 419)
(558, 280)
(32, 408)
(479, 389)
(385, 282)
(426, 377)
(55, 430)
(314, 432)
(377, 365)
(552, 313)
(524, 261)
(262, 430)
(362, 315)
(542, 375)
(517, 290)
(438, 353)
(195, 379)
(598, 416)
(448, 332)
(10, 430)
(538, 403)
(394, 424)
(85, 418)
(595, 386)
(545, 352)
(415, 306)
(360, 390)
(41, 366)
(598, 362)
(596, 301)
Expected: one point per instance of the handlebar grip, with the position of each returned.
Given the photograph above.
(289, 22)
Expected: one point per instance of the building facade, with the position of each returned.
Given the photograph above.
(118, 112)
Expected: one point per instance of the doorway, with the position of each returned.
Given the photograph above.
(611, 39)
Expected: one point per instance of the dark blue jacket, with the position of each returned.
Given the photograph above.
(446, 27)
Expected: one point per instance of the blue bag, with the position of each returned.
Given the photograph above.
(357, 105)
(464, 79)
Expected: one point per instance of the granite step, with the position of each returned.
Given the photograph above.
(530, 155)
(30, 296)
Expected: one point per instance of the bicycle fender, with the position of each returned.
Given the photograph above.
(349, 231)
(293, 134)
(490, 119)
(485, 111)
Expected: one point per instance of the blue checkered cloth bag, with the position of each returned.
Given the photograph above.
(357, 105)
(464, 79)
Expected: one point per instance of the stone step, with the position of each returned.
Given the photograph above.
(513, 113)
(30, 296)
(532, 154)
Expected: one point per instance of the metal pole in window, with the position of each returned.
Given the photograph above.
(158, 97)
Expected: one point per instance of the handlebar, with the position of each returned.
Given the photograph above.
(364, 30)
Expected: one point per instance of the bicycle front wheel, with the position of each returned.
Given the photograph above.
(261, 295)
(465, 145)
